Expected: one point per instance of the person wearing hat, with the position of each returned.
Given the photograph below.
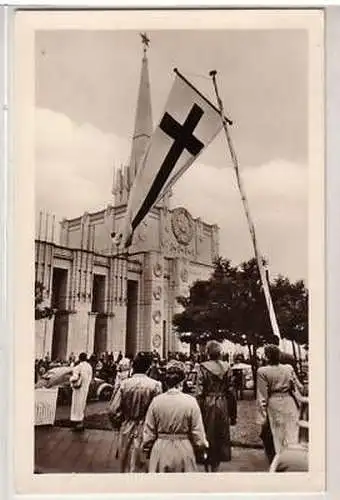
(127, 410)
(216, 397)
(173, 429)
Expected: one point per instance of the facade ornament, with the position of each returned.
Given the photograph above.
(156, 341)
(141, 234)
(157, 317)
(157, 269)
(157, 293)
(85, 217)
(184, 275)
(182, 225)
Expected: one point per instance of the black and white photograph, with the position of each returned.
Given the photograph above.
(172, 301)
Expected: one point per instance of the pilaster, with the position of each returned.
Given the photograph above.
(153, 304)
(43, 337)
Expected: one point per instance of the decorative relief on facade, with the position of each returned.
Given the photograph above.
(157, 269)
(157, 317)
(182, 226)
(63, 253)
(141, 234)
(101, 260)
(184, 275)
(157, 293)
(85, 217)
(176, 250)
(134, 267)
(156, 341)
(109, 210)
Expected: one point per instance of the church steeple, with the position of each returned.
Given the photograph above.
(143, 120)
(142, 131)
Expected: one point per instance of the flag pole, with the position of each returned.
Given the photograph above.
(259, 258)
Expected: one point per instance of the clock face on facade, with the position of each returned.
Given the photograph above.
(182, 226)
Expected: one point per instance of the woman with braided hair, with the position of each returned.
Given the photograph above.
(173, 429)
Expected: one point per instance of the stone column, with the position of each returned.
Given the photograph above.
(90, 332)
(64, 232)
(111, 340)
(117, 322)
(43, 336)
(39, 338)
(78, 329)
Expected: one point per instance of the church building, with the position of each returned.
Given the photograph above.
(108, 302)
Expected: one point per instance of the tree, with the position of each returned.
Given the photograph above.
(231, 305)
(291, 300)
(41, 311)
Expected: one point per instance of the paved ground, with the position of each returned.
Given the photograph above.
(59, 450)
(246, 432)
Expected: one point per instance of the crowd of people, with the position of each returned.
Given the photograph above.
(165, 424)
(110, 368)
(162, 429)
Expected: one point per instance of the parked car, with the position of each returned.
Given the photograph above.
(60, 376)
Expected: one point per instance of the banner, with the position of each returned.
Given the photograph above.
(188, 125)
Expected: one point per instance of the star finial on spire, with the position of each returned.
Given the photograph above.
(145, 41)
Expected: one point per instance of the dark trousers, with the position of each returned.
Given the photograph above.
(268, 442)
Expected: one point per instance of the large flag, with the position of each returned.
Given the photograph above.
(188, 125)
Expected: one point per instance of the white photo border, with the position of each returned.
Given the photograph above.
(24, 243)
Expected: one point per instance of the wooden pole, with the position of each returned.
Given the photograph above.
(259, 258)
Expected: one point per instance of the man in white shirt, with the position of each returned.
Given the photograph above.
(80, 382)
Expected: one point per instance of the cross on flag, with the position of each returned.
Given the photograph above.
(189, 124)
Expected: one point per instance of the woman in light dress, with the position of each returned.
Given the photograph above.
(276, 398)
(294, 458)
(173, 428)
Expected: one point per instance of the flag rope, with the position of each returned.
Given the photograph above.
(259, 258)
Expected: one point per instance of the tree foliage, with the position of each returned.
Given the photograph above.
(231, 305)
(41, 311)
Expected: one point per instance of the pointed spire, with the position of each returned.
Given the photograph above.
(143, 120)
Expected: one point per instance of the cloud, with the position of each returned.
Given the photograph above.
(277, 195)
(74, 168)
(74, 164)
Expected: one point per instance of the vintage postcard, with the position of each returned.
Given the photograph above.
(169, 251)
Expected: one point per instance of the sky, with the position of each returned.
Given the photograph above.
(86, 90)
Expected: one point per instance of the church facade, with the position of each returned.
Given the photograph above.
(104, 301)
